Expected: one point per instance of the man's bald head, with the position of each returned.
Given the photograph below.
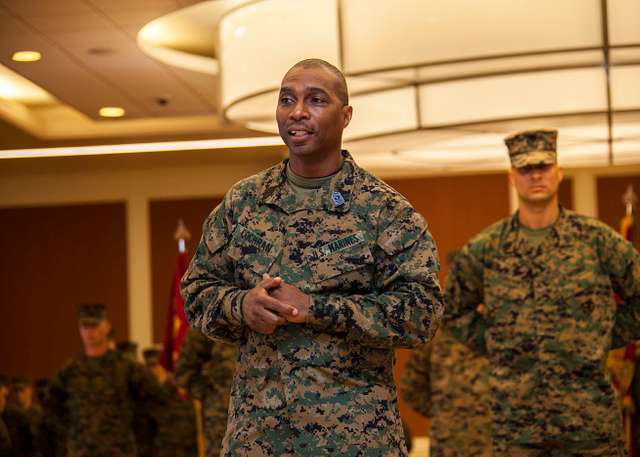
(340, 82)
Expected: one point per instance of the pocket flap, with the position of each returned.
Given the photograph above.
(252, 250)
(341, 256)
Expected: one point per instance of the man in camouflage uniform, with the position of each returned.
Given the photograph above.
(205, 369)
(128, 349)
(95, 395)
(50, 443)
(143, 421)
(5, 436)
(448, 383)
(318, 270)
(17, 437)
(21, 397)
(175, 426)
(546, 276)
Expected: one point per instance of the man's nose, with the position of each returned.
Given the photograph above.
(299, 111)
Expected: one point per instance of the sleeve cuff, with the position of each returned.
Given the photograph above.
(315, 311)
(234, 314)
(322, 315)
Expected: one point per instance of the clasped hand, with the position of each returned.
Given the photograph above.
(273, 302)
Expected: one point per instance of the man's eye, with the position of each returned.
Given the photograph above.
(285, 100)
(317, 100)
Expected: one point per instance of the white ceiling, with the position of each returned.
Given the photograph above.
(481, 68)
(91, 59)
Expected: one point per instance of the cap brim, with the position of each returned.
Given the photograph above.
(533, 158)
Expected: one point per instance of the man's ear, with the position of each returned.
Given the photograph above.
(347, 112)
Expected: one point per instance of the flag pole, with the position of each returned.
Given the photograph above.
(627, 223)
(622, 361)
(176, 326)
(181, 236)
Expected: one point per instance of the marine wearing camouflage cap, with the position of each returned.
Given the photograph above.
(546, 277)
(94, 400)
(127, 348)
(20, 382)
(532, 147)
(151, 356)
(92, 313)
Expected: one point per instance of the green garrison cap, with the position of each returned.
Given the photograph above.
(127, 347)
(92, 313)
(152, 356)
(532, 147)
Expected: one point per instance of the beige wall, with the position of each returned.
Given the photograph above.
(137, 181)
(128, 180)
(154, 192)
(54, 258)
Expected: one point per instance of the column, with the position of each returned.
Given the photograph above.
(139, 271)
(585, 193)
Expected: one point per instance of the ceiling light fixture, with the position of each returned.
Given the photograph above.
(7, 90)
(449, 76)
(26, 56)
(136, 148)
(111, 111)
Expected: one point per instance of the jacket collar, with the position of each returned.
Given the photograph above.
(335, 196)
(561, 233)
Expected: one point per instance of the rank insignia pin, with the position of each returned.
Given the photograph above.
(337, 198)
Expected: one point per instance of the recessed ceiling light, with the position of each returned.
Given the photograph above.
(111, 111)
(26, 56)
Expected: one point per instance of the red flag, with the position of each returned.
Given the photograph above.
(626, 227)
(177, 326)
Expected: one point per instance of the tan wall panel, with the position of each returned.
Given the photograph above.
(610, 206)
(164, 215)
(456, 208)
(54, 258)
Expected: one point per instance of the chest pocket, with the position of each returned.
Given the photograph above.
(587, 300)
(348, 254)
(253, 253)
(505, 296)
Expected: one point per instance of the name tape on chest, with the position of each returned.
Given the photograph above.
(341, 244)
(251, 238)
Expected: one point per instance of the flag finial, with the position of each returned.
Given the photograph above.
(629, 199)
(181, 235)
